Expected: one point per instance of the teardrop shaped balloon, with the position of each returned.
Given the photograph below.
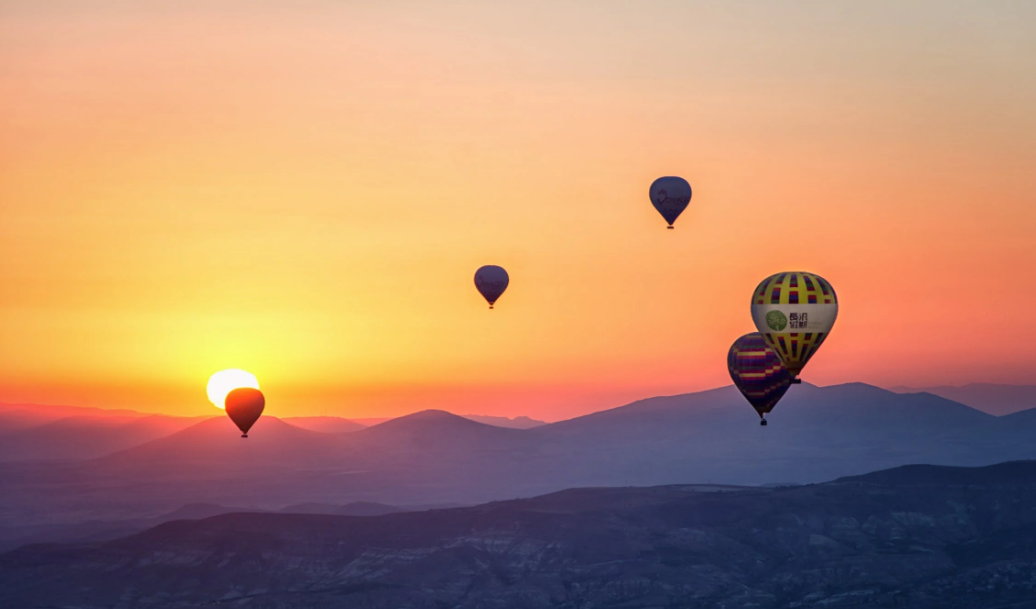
(670, 196)
(794, 311)
(244, 405)
(491, 281)
(758, 372)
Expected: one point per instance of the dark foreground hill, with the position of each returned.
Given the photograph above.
(918, 537)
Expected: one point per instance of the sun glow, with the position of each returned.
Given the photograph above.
(225, 381)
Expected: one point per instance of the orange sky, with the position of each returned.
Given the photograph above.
(304, 190)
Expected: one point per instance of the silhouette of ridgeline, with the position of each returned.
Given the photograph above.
(434, 457)
(922, 537)
(992, 398)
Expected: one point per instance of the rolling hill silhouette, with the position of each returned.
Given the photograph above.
(433, 457)
(325, 424)
(1012, 473)
(357, 508)
(521, 422)
(14, 416)
(994, 399)
(920, 537)
(440, 431)
(215, 444)
(87, 436)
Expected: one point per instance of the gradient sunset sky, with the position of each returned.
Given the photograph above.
(304, 189)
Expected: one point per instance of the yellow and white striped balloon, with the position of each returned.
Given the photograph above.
(794, 311)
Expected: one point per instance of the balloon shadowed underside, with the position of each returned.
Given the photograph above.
(243, 406)
(491, 281)
(794, 311)
(670, 196)
(757, 372)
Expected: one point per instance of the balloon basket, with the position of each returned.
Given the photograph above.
(670, 227)
(762, 423)
(796, 381)
(244, 435)
(490, 307)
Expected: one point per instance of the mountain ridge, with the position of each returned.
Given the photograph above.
(834, 545)
(435, 458)
(994, 398)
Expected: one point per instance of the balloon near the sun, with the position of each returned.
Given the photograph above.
(225, 381)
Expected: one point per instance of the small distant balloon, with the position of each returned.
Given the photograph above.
(794, 311)
(244, 405)
(491, 281)
(758, 373)
(670, 196)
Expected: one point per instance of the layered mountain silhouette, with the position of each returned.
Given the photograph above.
(214, 445)
(27, 434)
(521, 422)
(439, 430)
(434, 457)
(340, 425)
(994, 399)
(358, 508)
(325, 424)
(20, 416)
(922, 537)
(101, 530)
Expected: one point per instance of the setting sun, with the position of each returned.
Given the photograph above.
(225, 381)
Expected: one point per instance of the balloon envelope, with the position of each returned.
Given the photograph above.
(757, 372)
(670, 196)
(244, 405)
(794, 312)
(491, 281)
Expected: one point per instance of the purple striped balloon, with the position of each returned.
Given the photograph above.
(758, 372)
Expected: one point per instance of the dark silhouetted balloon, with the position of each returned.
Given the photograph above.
(244, 405)
(491, 281)
(670, 196)
(758, 373)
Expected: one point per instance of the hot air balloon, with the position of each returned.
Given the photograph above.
(670, 196)
(794, 312)
(244, 405)
(491, 281)
(758, 373)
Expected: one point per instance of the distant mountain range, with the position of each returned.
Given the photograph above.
(54, 433)
(434, 457)
(30, 432)
(340, 425)
(521, 422)
(922, 537)
(325, 424)
(997, 400)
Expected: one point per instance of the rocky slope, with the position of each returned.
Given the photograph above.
(914, 537)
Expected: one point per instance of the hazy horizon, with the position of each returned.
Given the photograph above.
(984, 397)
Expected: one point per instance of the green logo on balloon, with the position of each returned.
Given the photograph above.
(776, 320)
